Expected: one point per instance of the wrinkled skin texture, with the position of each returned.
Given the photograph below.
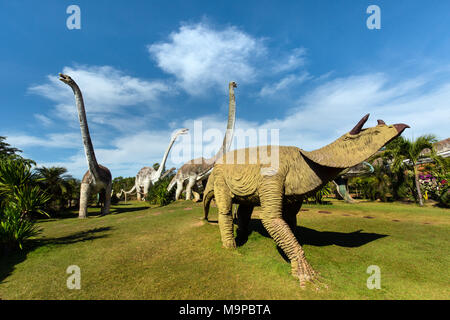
(280, 190)
(98, 178)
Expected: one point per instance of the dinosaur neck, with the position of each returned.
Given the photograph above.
(164, 159)
(88, 147)
(230, 126)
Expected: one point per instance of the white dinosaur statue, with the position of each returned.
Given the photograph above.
(198, 170)
(148, 176)
(98, 178)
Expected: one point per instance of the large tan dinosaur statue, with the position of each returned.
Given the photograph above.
(98, 178)
(280, 189)
(148, 176)
(199, 169)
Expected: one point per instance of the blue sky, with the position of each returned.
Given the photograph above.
(311, 69)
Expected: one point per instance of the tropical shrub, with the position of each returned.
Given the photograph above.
(319, 195)
(158, 193)
(20, 197)
(58, 184)
(14, 229)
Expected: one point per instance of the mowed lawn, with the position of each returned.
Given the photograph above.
(144, 252)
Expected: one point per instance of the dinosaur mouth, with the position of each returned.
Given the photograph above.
(64, 78)
(400, 127)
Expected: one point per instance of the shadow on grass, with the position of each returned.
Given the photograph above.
(307, 236)
(71, 214)
(7, 262)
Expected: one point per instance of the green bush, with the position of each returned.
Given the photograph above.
(14, 228)
(444, 199)
(158, 193)
(20, 197)
(317, 196)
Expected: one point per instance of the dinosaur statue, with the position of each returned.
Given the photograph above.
(148, 176)
(280, 189)
(341, 182)
(197, 170)
(98, 178)
(140, 194)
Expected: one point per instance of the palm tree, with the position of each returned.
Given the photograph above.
(9, 152)
(55, 181)
(405, 154)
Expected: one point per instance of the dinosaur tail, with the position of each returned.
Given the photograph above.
(131, 190)
(172, 183)
(208, 195)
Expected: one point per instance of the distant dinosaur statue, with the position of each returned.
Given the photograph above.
(98, 178)
(281, 187)
(140, 194)
(148, 176)
(197, 170)
(341, 182)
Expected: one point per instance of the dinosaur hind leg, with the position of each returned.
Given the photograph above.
(244, 214)
(107, 201)
(138, 193)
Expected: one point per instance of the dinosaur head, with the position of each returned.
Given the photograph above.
(181, 131)
(66, 79)
(356, 145)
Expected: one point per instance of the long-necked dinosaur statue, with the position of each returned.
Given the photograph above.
(280, 189)
(98, 178)
(141, 193)
(199, 169)
(148, 176)
(341, 181)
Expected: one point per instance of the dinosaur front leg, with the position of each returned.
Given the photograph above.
(272, 219)
(147, 186)
(223, 200)
(85, 192)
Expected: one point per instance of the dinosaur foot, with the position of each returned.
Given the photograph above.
(303, 271)
(229, 244)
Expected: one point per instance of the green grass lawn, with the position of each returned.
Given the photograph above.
(144, 252)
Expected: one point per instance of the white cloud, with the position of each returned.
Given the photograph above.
(292, 61)
(283, 84)
(201, 58)
(45, 121)
(334, 107)
(55, 140)
(105, 90)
